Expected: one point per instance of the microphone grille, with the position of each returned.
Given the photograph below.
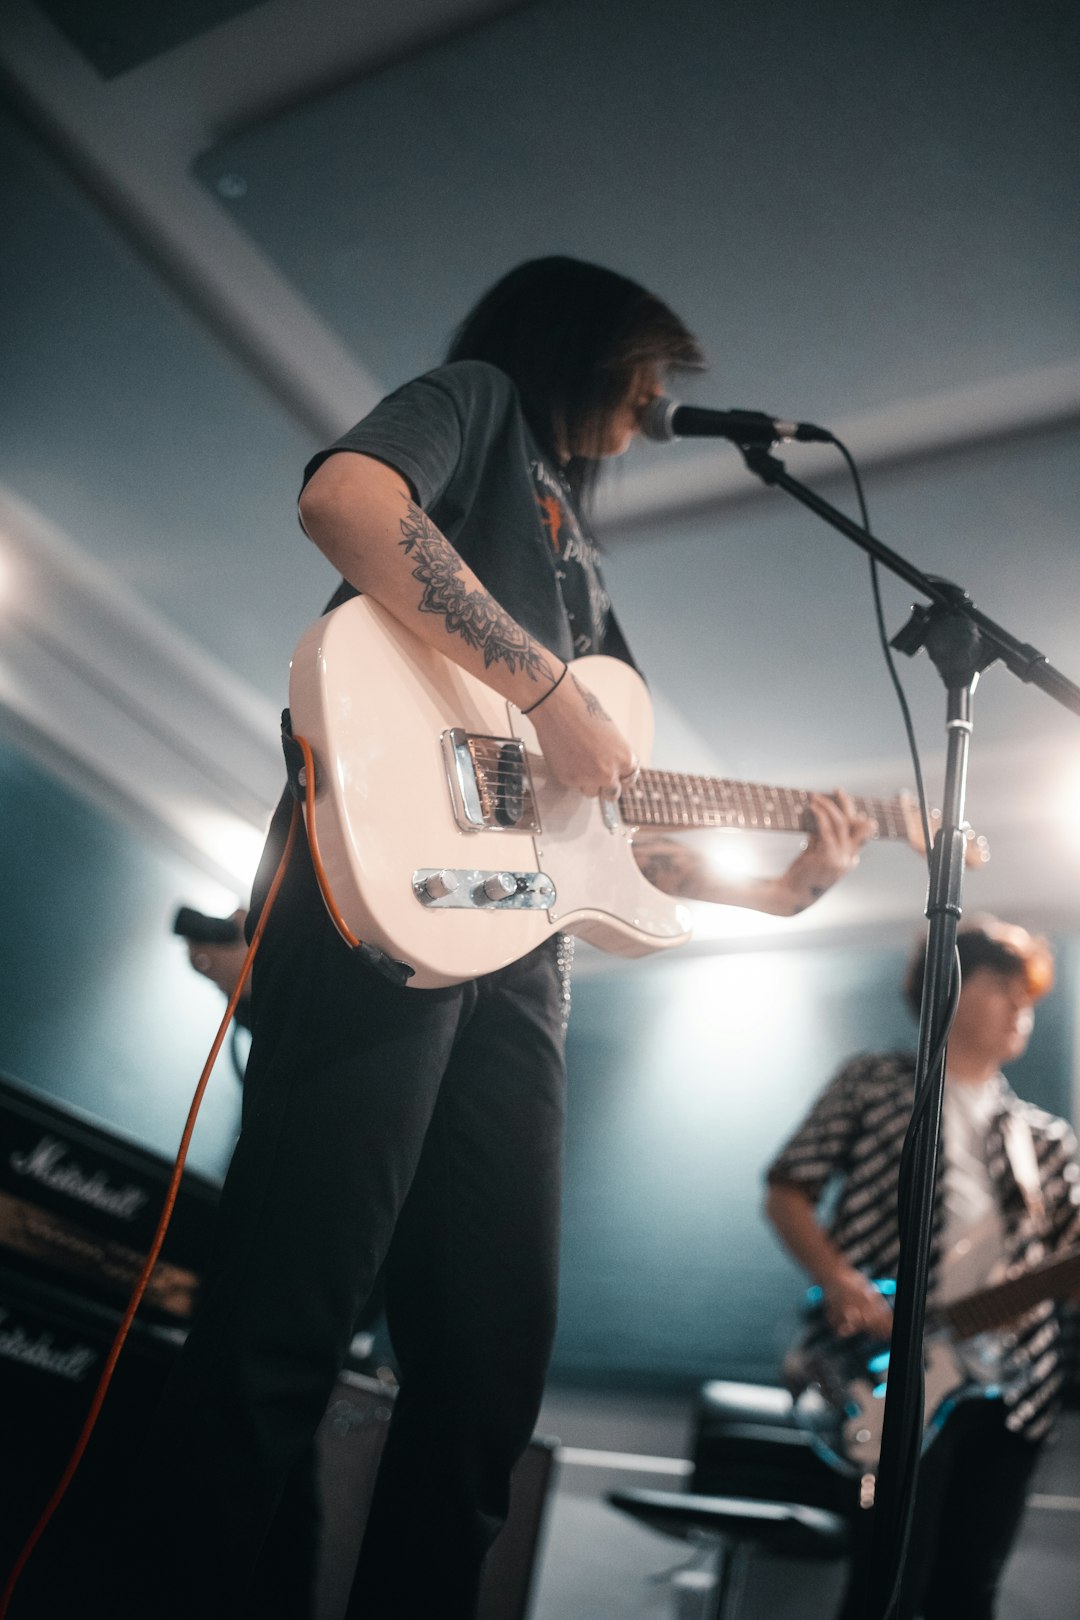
(657, 419)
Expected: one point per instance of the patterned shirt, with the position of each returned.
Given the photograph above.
(853, 1135)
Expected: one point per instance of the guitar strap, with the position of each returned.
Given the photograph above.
(1024, 1163)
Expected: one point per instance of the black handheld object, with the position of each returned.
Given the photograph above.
(195, 925)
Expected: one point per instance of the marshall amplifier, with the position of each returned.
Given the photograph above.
(53, 1347)
(78, 1206)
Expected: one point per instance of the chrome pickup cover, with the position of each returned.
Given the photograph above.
(490, 786)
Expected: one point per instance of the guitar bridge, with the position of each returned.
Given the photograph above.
(490, 786)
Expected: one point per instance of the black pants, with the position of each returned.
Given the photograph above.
(419, 1128)
(970, 1500)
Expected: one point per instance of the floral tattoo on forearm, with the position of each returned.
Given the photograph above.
(471, 614)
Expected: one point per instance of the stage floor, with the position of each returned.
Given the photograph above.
(598, 1564)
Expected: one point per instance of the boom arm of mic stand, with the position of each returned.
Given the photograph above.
(961, 642)
(1026, 662)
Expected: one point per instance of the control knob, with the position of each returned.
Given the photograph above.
(499, 886)
(438, 884)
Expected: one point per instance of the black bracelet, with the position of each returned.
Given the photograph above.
(547, 694)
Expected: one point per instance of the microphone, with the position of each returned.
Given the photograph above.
(665, 419)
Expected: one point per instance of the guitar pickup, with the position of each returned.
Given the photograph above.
(490, 786)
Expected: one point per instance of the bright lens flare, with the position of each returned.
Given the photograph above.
(1070, 800)
(730, 854)
(232, 844)
(7, 576)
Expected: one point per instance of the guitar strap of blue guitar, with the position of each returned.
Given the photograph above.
(1024, 1163)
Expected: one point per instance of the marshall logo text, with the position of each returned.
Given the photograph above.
(40, 1351)
(45, 1164)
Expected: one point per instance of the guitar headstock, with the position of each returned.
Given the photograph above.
(976, 846)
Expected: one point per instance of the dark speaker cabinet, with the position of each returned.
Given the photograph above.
(78, 1206)
(53, 1346)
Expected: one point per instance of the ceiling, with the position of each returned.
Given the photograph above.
(233, 227)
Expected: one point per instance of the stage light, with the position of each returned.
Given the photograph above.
(731, 855)
(9, 575)
(1069, 799)
(232, 844)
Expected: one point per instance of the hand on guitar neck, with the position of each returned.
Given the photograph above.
(831, 850)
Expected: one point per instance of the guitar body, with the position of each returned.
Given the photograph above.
(843, 1403)
(839, 1384)
(446, 842)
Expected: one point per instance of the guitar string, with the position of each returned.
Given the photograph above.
(678, 799)
(714, 793)
(656, 782)
(689, 810)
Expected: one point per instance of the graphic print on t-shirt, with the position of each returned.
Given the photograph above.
(577, 560)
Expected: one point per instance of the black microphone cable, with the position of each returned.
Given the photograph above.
(910, 1227)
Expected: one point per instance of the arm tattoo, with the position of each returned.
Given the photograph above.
(661, 860)
(656, 866)
(473, 615)
(590, 700)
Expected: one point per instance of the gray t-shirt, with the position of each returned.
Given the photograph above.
(460, 440)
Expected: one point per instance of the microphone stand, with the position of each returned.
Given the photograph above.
(961, 642)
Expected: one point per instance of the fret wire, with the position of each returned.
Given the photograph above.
(679, 799)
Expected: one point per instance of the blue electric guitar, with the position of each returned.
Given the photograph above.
(840, 1384)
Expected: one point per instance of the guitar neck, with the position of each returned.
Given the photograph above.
(993, 1307)
(674, 802)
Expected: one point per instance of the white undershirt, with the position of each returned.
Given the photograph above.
(973, 1229)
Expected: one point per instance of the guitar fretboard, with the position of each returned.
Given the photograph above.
(673, 800)
(993, 1307)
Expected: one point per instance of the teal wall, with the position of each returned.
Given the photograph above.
(685, 1077)
(98, 1005)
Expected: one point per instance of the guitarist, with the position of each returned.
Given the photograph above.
(1008, 1196)
(422, 1128)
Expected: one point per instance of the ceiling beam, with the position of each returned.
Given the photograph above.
(131, 141)
(93, 677)
(902, 432)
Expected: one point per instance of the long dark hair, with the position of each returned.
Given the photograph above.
(571, 336)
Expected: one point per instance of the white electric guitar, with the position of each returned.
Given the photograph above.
(447, 842)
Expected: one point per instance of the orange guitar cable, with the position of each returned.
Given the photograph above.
(313, 845)
(178, 1168)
